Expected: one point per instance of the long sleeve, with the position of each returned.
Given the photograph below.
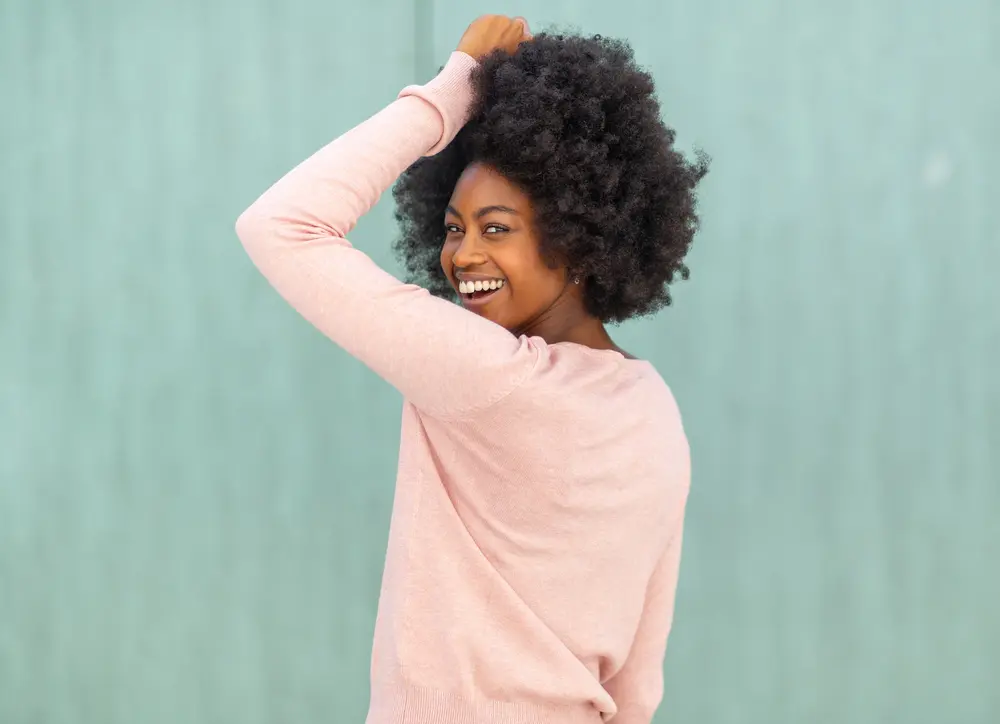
(638, 687)
(446, 360)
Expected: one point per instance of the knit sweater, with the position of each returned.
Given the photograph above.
(536, 529)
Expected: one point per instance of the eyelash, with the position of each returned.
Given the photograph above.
(448, 228)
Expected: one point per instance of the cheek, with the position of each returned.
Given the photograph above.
(519, 261)
(533, 281)
(447, 252)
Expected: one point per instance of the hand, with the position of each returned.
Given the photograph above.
(490, 32)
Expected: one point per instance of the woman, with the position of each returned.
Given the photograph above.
(543, 471)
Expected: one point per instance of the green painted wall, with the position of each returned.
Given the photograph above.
(195, 485)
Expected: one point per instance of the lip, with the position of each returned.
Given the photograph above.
(481, 301)
(473, 277)
(468, 277)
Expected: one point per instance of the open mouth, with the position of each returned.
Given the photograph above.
(481, 294)
(472, 296)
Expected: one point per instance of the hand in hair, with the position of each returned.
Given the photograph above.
(493, 32)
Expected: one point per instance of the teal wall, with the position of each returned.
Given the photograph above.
(195, 486)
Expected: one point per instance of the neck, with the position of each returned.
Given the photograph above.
(568, 322)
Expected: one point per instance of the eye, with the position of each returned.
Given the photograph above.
(497, 227)
(451, 229)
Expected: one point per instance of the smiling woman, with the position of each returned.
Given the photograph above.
(490, 233)
(565, 132)
(543, 472)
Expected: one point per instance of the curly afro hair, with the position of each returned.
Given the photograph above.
(574, 123)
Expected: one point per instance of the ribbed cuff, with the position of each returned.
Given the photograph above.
(450, 92)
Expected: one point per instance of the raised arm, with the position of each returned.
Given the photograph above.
(444, 359)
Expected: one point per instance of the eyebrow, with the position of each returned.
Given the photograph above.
(486, 210)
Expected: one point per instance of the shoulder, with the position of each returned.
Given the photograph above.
(571, 382)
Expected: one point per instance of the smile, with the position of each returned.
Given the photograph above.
(478, 299)
(478, 293)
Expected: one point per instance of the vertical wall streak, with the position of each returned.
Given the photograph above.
(423, 41)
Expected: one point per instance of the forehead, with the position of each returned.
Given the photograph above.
(481, 185)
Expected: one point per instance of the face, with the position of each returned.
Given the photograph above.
(492, 243)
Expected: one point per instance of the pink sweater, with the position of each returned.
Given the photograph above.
(536, 529)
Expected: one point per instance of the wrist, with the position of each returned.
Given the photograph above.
(450, 92)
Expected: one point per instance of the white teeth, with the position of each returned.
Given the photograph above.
(470, 287)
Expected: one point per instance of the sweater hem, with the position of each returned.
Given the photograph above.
(407, 704)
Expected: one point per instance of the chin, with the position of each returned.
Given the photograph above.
(496, 319)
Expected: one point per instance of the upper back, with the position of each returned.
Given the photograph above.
(572, 479)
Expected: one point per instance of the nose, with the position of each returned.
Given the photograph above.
(469, 253)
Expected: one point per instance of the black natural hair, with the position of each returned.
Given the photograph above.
(574, 123)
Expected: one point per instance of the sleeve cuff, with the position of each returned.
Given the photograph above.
(450, 93)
